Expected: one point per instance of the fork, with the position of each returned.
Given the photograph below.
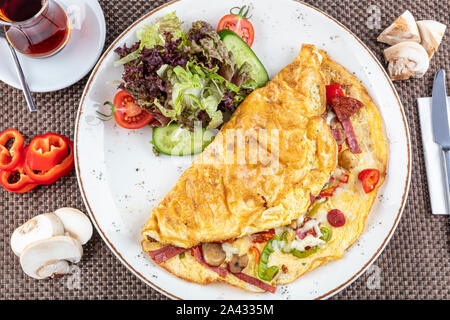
(23, 82)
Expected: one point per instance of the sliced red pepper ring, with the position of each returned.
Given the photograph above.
(12, 156)
(344, 178)
(61, 169)
(46, 151)
(257, 253)
(16, 180)
(369, 179)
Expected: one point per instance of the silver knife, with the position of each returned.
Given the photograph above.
(441, 126)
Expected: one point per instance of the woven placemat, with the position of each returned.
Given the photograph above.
(415, 264)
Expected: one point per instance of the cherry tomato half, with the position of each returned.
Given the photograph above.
(128, 114)
(238, 23)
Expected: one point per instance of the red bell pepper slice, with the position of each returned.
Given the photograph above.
(10, 158)
(369, 179)
(344, 178)
(334, 90)
(264, 236)
(257, 253)
(46, 151)
(61, 169)
(17, 180)
(328, 192)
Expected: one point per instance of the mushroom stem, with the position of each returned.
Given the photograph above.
(406, 59)
(50, 257)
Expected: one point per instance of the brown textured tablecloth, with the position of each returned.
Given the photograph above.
(414, 265)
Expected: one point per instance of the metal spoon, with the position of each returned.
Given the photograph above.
(23, 81)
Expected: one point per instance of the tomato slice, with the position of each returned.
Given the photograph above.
(128, 114)
(239, 24)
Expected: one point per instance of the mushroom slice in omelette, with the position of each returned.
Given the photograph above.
(262, 169)
(333, 222)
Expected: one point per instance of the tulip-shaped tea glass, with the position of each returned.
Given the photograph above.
(36, 28)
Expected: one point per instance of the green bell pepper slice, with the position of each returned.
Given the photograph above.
(264, 271)
(326, 235)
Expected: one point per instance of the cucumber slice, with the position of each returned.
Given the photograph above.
(243, 53)
(176, 141)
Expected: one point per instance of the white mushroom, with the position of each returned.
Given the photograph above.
(402, 29)
(431, 33)
(41, 227)
(50, 257)
(59, 268)
(76, 224)
(406, 59)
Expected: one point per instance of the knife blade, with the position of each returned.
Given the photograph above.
(441, 125)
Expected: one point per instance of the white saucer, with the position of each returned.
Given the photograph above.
(73, 62)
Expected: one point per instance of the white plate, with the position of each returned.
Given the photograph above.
(73, 62)
(121, 180)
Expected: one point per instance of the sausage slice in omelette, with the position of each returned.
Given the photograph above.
(323, 213)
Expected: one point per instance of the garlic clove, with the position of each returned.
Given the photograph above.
(431, 33)
(402, 29)
(406, 59)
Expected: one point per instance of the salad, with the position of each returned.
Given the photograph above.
(176, 80)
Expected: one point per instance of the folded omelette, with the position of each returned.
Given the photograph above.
(220, 197)
(258, 221)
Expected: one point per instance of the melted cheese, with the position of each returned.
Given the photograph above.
(230, 250)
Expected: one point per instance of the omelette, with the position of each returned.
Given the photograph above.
(257, 222)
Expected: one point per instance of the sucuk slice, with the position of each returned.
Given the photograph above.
(165, 253)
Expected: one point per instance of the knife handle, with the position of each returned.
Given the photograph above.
(446, 160)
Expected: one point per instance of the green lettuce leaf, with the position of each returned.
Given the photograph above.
(194, 89)
(153, 35)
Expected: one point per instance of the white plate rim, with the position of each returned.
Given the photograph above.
(173, 296)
